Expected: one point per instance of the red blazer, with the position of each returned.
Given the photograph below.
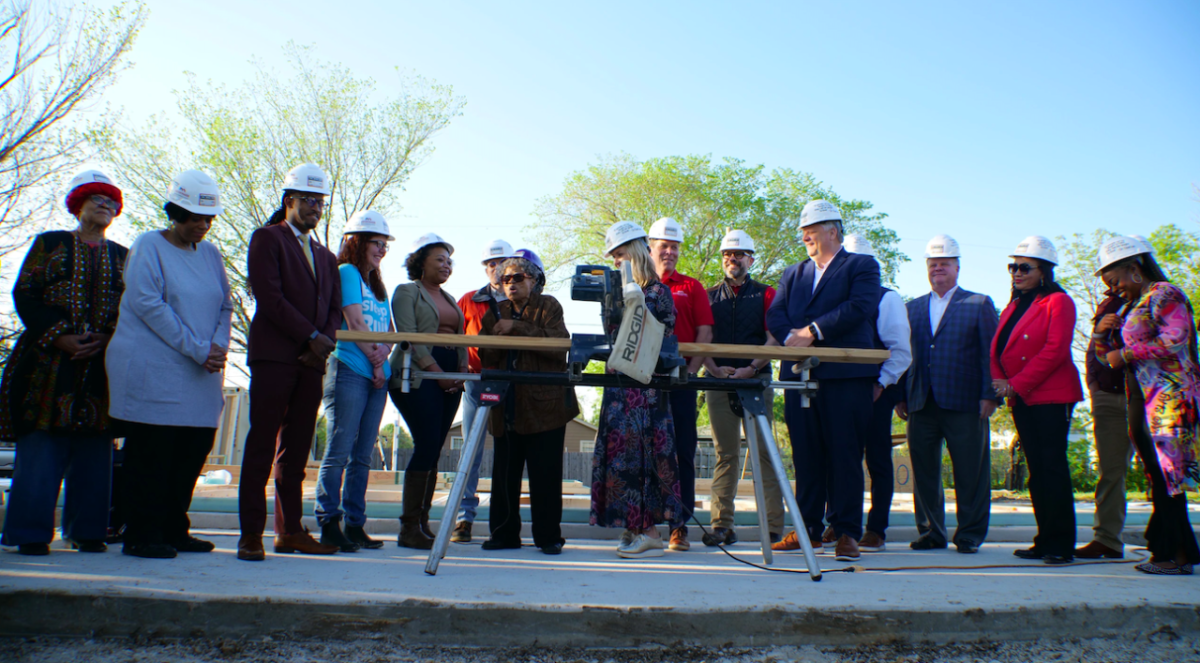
(290, 302)
(1037, 360)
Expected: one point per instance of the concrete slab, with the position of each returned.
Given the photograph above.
(587, 597)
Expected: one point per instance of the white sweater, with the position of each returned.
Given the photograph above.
(176, 304)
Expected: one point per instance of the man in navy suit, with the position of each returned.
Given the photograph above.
(829, 300)
(950, 397)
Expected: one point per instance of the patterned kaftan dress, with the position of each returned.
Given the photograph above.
(635, 476)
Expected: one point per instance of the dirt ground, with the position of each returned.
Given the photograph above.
(1160, 647)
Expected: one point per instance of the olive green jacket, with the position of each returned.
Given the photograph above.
(414, 311)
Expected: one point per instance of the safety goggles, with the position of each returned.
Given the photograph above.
(1022, 267)
(512, 278)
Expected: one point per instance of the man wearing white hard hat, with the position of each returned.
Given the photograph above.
(948, 400)
(891, 334)
(174, 330)
(739, 306)
(829, 300)
(298, 309)
(355, 386)
(475, 304)
(693, 324)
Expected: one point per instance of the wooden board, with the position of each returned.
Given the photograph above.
(843, 355)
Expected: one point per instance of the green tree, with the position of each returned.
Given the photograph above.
(249, 137)
(1075, 273)
(1178, 253)
(707, 199)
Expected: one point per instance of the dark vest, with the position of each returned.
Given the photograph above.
(739, 319)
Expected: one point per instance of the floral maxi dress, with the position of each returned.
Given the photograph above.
(635, 475)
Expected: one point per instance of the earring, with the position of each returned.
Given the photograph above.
(1042, 283)
(1136, 277)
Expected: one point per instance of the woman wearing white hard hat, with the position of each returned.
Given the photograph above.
(165, 367)
(355, 386)
(54, 392)
(423, 307)
(1032, 367)
(1156, 343)
(635, 476)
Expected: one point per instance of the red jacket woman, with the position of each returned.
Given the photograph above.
(1037, 358)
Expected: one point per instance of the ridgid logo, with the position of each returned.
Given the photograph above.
(633, 340)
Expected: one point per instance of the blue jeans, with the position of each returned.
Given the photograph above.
(44, 459)
(353, 410)
(470, 501)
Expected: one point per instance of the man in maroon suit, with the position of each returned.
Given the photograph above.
(298, 299)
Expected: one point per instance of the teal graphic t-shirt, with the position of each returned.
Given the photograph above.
(376, 313)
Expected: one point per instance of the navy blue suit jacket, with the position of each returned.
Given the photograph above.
(844, 306)
(953, 360)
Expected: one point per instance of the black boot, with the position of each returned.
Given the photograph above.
(413, 499)
(428, 504)
(359, 536)
(331, 535)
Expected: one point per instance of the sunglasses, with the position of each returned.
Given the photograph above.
(1023, 268)
(311, 201)
(512, 278)
(736, 255)
(383, 245)
(104, 201)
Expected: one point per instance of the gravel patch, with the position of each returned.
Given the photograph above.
(1162, 646)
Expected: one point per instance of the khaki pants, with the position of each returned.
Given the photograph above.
(727, 439)
(1113, 449)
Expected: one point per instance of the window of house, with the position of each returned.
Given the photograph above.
(587, 446)
(456, 442)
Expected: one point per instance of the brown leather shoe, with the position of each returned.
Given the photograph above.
(1096, 550)
(679, 540)
(871, 542)
(461, 533)
(847, 549)
(828, 538)
(250, 548)
(302, 543)
(791, 543)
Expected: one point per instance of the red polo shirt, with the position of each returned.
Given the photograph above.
(692, 309)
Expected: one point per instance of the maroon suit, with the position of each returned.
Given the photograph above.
(291, 303)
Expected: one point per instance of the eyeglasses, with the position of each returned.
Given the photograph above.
(494, 262)
(736, 255)
(512, 278)
(104, 201)
(382, 244)
(1022, 267)
(311, 201)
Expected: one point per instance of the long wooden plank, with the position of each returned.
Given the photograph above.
(841, 355)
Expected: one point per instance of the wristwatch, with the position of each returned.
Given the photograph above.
(812, 329)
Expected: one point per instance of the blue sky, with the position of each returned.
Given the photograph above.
(988, 122)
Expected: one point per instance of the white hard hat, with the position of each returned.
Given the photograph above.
(498, 249)
(737, 240)
(620, 233)
(856, 243)
(430, 238)
(367, 221)
(195, 192)
(942, 246)
(307, 177)
(668, 229)
(1117, 249)
(1036, 246)
(87, 177)
(1144, 242)
(819, 211)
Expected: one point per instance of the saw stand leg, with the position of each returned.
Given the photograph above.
(487, 395)
(758, 432)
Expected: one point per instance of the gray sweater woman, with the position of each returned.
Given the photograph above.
(176, 305)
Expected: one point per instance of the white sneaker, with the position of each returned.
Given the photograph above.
(641, 546)
(626, 538)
